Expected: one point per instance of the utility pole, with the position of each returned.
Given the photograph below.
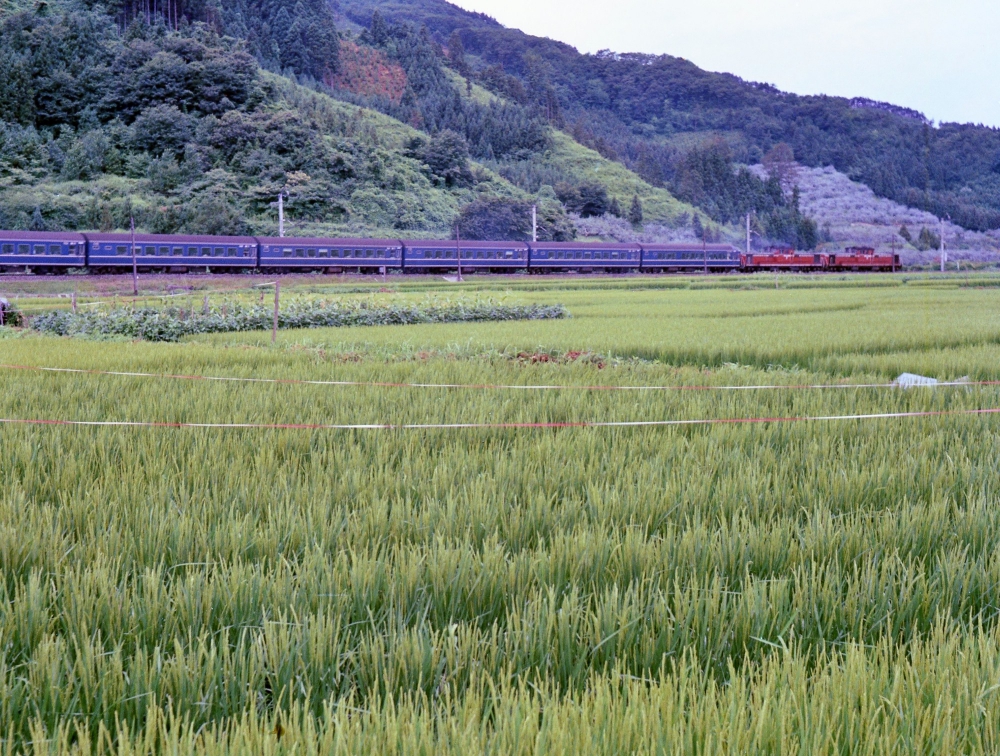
(458, 251)
(748, 233)
(704, 251)
(534, 223)
(281, 213)
(944, 254)
(135, 268)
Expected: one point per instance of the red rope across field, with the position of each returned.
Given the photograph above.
(481, 386)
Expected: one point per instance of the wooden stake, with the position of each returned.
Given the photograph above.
(274, 328)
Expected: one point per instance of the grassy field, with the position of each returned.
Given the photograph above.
(811, 587)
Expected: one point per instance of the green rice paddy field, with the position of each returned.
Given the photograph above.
(813, 587)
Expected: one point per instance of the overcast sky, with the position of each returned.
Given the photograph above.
(941, 57)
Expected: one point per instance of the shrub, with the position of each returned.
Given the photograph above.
(170, 324)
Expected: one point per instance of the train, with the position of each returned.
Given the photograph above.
(42, 252)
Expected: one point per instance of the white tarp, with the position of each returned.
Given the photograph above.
(912, 379)
(907, 380)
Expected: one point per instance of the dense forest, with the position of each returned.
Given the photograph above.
(643, 110)
(183, 130)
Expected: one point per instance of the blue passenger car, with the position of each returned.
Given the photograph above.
(42, 252)
(157, 251)
(294, 252)
(692, 256)
(498, 256)
(549, 256)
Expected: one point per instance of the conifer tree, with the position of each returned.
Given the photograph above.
(456, 53)
(635, 216)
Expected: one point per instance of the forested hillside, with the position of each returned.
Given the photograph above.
(650, 111)
(181, 129)
(192, 117)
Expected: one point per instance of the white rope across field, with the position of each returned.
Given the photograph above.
(490, 386)
(493, 426)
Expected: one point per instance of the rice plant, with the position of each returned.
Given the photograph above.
(821, 587)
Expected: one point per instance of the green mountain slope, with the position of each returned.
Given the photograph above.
(647, 112)
(172, 123)
(183, 131)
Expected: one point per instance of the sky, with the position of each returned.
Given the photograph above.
(941, 57)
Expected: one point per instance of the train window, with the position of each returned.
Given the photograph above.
(206, 251)
(300, 252)
(149, 250)
(39, 249)
(23, 249)
(55, 249)
(310, 252)
(7, 249)
(230, 251)
(324, 253)
(287, 252)
(369, 253)
(219, 252)
(358, 253)
(334, 253)
(121, 250)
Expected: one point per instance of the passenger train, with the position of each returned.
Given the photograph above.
(43, 252)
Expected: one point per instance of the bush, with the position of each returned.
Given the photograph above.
(170, 324)
(10, 315)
